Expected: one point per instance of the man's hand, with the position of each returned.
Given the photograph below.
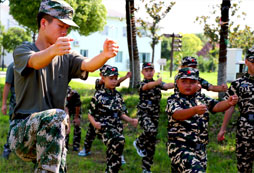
(110, 48)
(232, 100)
(62, 46)
(220, 136)
(134, 122)
(200, 109)
(4, 109)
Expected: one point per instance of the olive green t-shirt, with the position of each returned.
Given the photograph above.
(39, 90)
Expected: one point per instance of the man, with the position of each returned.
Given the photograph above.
(243, 87)
(9, 86)
(42, 72)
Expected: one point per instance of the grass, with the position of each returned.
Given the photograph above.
(221, 156)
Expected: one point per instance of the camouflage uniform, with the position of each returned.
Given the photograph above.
(148, 118)
(244, 89)
(90, 134)
(187, 139)
(72, 102)
(106, 107)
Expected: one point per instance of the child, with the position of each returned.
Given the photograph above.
(189, 61)
(148, 114)
(188, 122)
(90, 135)
(106, 109)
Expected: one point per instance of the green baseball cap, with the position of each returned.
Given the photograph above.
(110, 71)
(189, 61)
(188, 72)
(104, 68)
(58, 9)
(250, 55)
(147, 65)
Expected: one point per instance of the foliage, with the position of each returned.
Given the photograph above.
(14, 37)
(1, 36)
(240, 38)
(90, 14)
(165, 48)
(157, 10)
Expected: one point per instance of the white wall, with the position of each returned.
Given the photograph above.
(234, 55)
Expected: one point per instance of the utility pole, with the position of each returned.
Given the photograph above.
(176, 45)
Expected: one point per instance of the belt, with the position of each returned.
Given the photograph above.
(250, 116)
(19, 116)
(196, 146)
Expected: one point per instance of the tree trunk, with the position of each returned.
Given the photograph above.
(223, 43)
(132, 44)
(153, 52)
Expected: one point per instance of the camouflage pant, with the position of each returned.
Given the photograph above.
(114, 140)
(245, 145)
(6, 145)
(186, 159)
(147, 140)
(40, 138)
(76, 136)
(90, 136)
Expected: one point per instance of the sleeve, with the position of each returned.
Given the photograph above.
(21, 56)
(162, 85)
(172, 106)
(204, 83)
(92, 106)
(140, 85)
(210, 103)
(231, 91)
(9, 74)
(75, 66)
(124, 108)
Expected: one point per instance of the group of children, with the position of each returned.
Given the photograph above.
(187, 111)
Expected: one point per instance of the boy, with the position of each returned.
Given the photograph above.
(106, 109)
(189, 61)
(148, 114)
(73, 106)
(90, 135)
(244, 88)
(188, 122)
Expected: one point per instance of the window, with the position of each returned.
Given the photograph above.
(119, 57)
(105, 31)
(144, 57)
(84, 52)
(124, 31)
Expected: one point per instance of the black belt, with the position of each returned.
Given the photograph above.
(19, 116)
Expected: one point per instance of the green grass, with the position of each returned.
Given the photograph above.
(221, 156)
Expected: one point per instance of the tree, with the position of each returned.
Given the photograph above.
(90, 14)
(1, 36)
(132, 44)
(157, 10)
(14, 37)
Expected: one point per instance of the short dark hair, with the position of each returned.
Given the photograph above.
(45, 16)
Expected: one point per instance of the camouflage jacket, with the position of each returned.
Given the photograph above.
(107, 106)
(149, 99)
(244, 88)
(194, 129)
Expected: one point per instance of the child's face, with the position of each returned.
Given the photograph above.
(250, 66)
(110, 82)
(187, 86)
(148, 73)
(192, 66)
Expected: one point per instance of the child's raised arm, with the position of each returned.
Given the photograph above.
(132, 121)
(152, 84)
(185, 114)
(224, 105)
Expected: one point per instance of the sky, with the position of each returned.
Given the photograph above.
(183, 14)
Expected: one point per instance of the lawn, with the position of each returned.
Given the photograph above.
(221, 156)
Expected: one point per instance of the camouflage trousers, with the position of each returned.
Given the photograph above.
(6, 145)
(90, 136)
(185, 159)
(245, 144)
(41, 138)
(76, 136)
(147, 140)
(114, 140)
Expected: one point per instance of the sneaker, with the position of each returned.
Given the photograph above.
(146, 171)
(141, 153)
(75, 149)
(83, 153)
(122, 160)
(6, 153)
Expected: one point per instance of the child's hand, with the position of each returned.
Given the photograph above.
(128, 75)
(220, 136)
(134, 122)
(200, 109)
(224, 87)
(158, 81)
(97, 125)
(232, 100)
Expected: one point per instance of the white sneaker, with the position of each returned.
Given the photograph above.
(83, 153)
(122, 160)
(141, 153)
